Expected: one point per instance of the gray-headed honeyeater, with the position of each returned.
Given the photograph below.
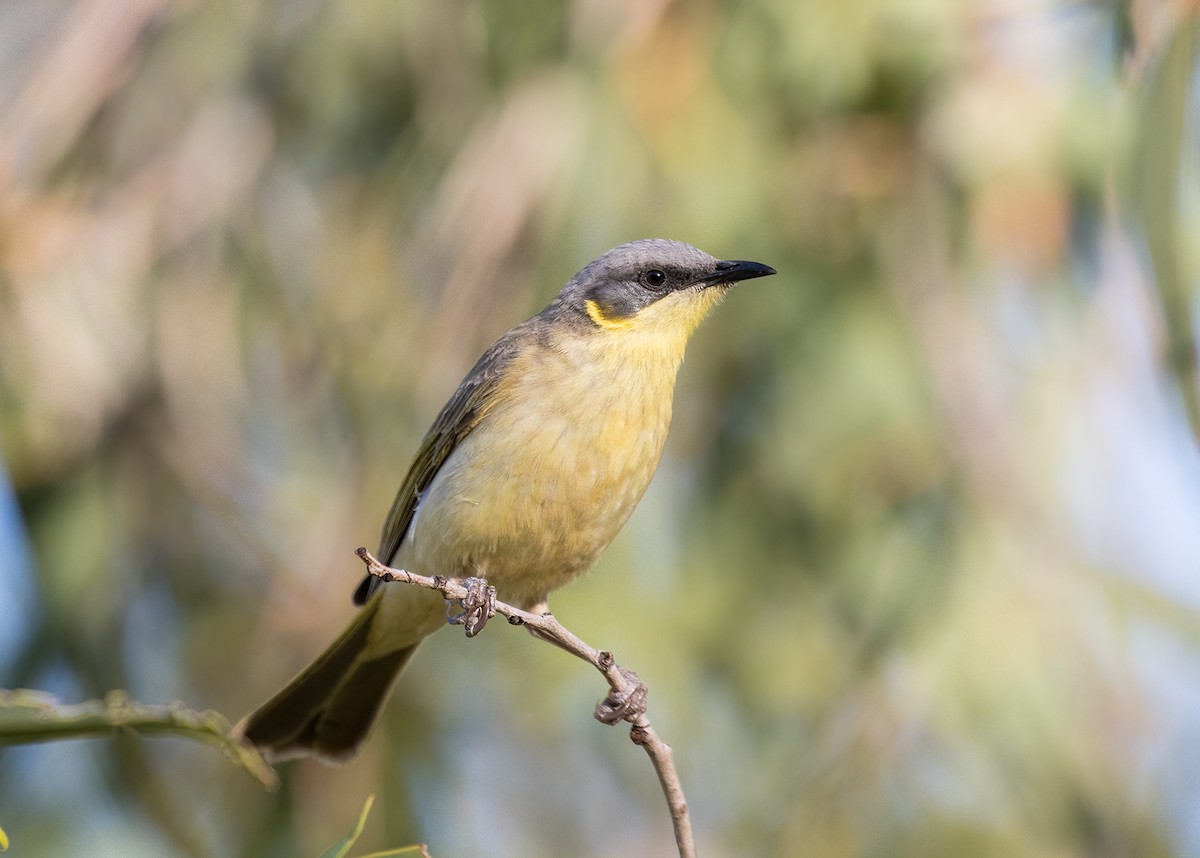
(527, 474)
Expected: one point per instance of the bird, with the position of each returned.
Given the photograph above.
(527, 474)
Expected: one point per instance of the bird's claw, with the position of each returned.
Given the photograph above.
(623, 705)
(478, 606)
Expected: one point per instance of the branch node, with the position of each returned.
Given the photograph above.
(604, 660)
(374, 567)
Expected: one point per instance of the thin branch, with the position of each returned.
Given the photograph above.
(32, 716)
(626, 700)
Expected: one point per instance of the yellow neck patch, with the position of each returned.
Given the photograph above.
(596, 314)
(674, 315)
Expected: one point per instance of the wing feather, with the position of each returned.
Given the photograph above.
(467, 408)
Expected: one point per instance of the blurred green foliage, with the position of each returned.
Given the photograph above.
(917, 576)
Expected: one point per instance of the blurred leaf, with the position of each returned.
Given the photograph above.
(1164, 177)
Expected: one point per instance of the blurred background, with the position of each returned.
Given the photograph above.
(920, 572)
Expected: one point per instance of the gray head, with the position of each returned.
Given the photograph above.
(654, 283)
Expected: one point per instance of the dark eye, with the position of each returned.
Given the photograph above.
(654, 278)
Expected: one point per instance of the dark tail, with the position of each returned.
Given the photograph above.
(329, 709)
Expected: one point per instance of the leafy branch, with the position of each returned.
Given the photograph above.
(32, 716)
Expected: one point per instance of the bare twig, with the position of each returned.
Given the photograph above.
(626, 701)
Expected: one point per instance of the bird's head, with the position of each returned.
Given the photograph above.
(656, 287)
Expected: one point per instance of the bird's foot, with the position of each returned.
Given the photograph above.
(624, 705)
(478, 606)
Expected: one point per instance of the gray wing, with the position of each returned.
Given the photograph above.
(467, 408)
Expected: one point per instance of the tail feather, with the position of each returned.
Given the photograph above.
(328, 710)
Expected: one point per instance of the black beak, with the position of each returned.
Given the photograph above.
(734, 270)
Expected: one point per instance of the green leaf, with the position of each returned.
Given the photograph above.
(342, 847)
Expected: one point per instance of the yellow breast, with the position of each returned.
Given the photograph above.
(533, 495)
